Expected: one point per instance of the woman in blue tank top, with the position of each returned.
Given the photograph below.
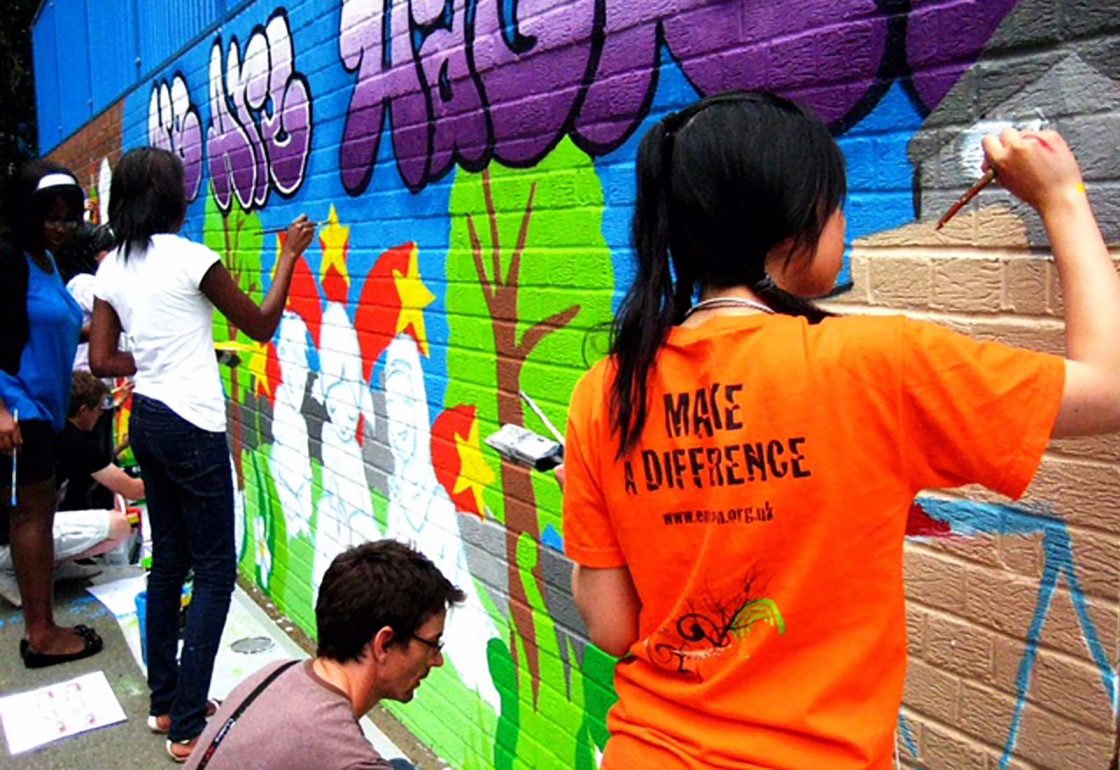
(41, 325)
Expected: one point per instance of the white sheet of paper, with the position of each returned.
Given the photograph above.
(38, 717)
(120, 595)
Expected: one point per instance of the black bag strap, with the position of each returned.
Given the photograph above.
(237, 712)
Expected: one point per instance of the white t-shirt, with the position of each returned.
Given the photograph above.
(81, 289)
(171, 325)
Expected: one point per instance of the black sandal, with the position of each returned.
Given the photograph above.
(92, 645)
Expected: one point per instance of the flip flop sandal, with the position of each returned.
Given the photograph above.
(188, 745)
(212, 706)
(91, 642)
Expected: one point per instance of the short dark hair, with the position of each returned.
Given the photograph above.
(26, 207)
(146, 197)
(86, 390)
(374, 585)
(81, 256)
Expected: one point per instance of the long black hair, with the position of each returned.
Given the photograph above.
(719, 185)
(145, 197)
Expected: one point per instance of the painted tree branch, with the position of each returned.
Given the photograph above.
(521, 516)
(539, 331)
(488, 291)
(492, 217)
(514, 274)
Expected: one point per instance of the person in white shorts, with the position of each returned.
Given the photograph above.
(85, 531)
(77, 535)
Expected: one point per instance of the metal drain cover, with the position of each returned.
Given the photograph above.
(251, 645)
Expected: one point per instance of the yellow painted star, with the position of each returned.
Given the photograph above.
(474, 472)
(257, 366)
(335, 240)
(414, 297)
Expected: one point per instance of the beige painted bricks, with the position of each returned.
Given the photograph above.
(972, 600)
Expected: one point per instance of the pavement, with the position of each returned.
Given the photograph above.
(252, 639)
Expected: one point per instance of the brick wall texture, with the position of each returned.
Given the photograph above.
(472, 168)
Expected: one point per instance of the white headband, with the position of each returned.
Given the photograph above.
(56, 180)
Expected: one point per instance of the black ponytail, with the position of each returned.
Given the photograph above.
(720, 184)
(647, 311)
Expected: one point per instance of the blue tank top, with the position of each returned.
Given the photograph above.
(41, 389)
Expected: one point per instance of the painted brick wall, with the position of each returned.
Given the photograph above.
(474, 174)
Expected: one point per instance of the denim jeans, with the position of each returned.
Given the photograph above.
(189, 491)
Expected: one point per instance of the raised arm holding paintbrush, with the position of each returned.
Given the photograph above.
(162, 290)
(1039, 168)
(736, 459)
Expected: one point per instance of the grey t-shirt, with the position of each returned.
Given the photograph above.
(299, 721)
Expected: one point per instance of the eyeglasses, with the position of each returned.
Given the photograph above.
(61, 224)
(436, 645)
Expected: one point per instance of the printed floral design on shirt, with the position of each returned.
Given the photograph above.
(711, 631)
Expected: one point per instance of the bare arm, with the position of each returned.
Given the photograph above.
(113, 478)
(1040, 169)
(609, 605)
(1091, 291)
(106, 359)
(259, 322)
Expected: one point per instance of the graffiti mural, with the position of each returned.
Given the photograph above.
(259, 134)
(470, 165)
(174, 125)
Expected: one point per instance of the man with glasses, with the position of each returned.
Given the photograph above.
(380, 616)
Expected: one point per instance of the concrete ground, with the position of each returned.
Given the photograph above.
(129, 745)
(125, 746)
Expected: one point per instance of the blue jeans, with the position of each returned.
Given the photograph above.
(189, 490)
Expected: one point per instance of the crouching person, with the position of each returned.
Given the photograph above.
(380, 616)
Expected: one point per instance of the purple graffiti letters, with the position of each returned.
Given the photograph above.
(518, 75)
(824, 54)
(259, 135)
(174, 125)
(532, 83)
(287, 130)
(941, 46)
(459, 125)
(383, 76)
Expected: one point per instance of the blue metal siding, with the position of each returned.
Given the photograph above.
(111, 47)
(75, 98)
(89, 53)
(170, 25)
(44, 48)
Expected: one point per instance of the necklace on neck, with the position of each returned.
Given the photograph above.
(716, 303)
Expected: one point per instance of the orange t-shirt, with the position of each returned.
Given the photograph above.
(762, 518)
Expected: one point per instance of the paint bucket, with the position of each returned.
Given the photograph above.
(142, 619)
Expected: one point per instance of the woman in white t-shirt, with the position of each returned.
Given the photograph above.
(161, 290)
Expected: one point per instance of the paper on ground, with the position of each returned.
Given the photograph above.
(38, 717)
(119, 596)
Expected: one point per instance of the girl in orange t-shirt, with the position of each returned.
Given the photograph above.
(740, 468)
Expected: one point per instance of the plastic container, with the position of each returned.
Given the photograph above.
(142, 619)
